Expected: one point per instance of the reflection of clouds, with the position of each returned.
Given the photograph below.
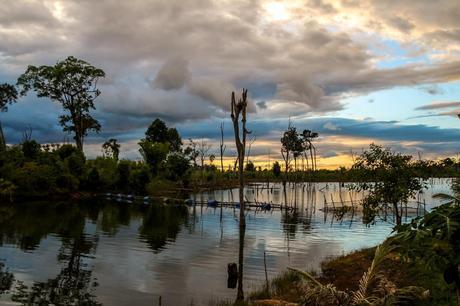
(194, 266)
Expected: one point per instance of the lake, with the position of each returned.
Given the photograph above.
(115, 253)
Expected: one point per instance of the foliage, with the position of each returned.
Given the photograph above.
(8, 95)
(159, 132)
(111, 148)
(154, 153)
(383, 291)
(394, 179)
(31, 149)
(276, 169)
(434, 239)
(73, 83)
(176, 166)
(7, 189)
(249, 167)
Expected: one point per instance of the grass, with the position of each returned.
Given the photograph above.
(346, 271)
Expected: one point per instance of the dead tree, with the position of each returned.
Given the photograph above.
(222, 147)
(251, 141)
(239, 108)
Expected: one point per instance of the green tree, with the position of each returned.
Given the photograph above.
(30, 149)
(154, 153)
(174, 139)
(176, 166)
(73, 83)
(111, 148)
(159, 132)
(389, 177)
(192, 151)
(289, 145)
(8, 95)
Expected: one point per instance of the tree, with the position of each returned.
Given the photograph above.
(8, 95)
(176, 166)
(389, 177)
(250, 166)
(276, 169)
(158, 131)
(203, 149)
(111, 148)
(307, 138)
(289, 143)
(239, 108)
(191, 151)
(73, 83)
(154, 153)
(174, 139)
(212, 157)
(30, 149)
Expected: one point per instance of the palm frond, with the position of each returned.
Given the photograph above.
(446, 197)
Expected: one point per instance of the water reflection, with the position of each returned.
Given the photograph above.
(117, 253)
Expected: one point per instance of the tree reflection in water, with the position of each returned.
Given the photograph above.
(25, 225)
(74, 285)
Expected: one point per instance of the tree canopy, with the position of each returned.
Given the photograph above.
(158, 131)
(390, 178)
(8, 95)
(73, 83)
(111, 148)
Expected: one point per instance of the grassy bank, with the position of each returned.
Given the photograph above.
(345, 273)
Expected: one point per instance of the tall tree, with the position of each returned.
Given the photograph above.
(239, 108)
(73, 83)
(191, 151)
(308, 137)
(158, 131)
(288, 145)
(8, 95)
(111, 148)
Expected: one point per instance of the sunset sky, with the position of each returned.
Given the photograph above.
(355, 71)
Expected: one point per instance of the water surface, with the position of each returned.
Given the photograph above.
(116, 253)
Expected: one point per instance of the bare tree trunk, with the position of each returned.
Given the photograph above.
(312, 160)
(222, 147)
(2, 139)
(397, 214)
(237, 109)
(314, 154)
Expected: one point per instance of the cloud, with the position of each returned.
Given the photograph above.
(439, 105)
(330, 126)
(432, 89)
(215, 47)
(180, 60)
(173, 74)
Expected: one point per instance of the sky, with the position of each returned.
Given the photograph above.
(356, 72)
